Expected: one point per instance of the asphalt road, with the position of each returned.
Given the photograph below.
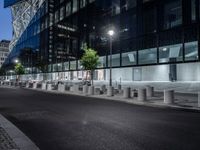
(61, 122)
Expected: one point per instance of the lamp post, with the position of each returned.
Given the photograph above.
(111, 34)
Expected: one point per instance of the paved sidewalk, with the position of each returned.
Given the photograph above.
(182, 101)
(11, 138)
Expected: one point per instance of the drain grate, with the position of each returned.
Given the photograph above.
(6, 143)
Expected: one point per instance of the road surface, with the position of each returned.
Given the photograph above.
(65, 122)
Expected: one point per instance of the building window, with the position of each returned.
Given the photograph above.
(72, 65)
(115, 7)
(56, 16)
(102, 62)
(62, 13)
(82, 3)
(172, 14)
(191, 51)
(129, 58)
(193, 10)
(75, 6)
(68, 9)
(115, 60)
(149, 20)
(90, 1)
(171, 53)
(66, 66)
(147, 56)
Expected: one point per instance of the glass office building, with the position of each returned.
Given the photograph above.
(155, 40)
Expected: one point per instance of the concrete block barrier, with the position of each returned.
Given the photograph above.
(127, 92)
(168, 96)
(150, 91)
(49, 87)
(76, 88)
(110, 91)
(97, 91)
(142, 95)
(61, 87)
(91, 90)
(103, 88)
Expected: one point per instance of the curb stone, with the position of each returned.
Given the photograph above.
(18, 137)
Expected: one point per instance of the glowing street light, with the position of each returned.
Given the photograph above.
(111, 34)
(16, 61)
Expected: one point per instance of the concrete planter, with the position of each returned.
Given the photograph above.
(169, 96)
(110, 91)
(150, 91)
(91, 90)
(142, 95)
(49, 87)
(61, 87)
(127, 92)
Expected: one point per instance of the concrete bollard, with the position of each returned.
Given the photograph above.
(34, 85)
(198, 99)
(119, 87)
(142, 95)
(44, 86)
(110, 91)
(168, 96)
(91, 90)
(49, 87)
(127, 92)
(27, 84)
(85, 89)
(61, 87)
(150, 91)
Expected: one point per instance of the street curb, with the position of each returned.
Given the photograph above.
(127, 101)
(18, 137)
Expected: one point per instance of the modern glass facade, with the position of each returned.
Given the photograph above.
(148, 33)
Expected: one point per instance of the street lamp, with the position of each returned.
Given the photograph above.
(16, 61)
(111, 34)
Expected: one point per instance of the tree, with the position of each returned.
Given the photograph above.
(19, 70)
(89, 60)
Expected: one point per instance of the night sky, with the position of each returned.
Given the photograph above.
(5, 22)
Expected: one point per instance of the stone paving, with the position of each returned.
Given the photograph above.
(6, 143)
(11, 138)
